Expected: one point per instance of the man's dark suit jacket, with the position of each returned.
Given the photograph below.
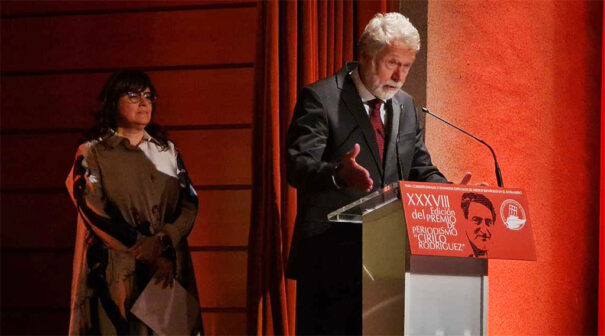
(329, 119)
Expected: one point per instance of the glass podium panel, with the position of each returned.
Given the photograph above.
(353, 212)
(406, 294)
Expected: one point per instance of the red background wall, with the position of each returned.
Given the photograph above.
(522, 75)
(55, 58)
(525, 77)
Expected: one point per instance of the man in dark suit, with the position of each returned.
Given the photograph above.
(351, 134)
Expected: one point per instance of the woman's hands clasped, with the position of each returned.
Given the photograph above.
(149, 250)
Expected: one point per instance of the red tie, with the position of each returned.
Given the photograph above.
(377, 124)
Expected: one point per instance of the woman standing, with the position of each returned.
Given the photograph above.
(136, 207)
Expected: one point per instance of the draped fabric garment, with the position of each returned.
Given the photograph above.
(298, 42)
(124, 194)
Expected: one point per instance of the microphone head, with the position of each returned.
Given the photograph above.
(425, 110)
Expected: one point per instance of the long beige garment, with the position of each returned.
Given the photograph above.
(124, 194)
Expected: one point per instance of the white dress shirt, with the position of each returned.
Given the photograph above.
(366, 95)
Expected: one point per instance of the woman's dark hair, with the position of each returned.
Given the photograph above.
(118, 84)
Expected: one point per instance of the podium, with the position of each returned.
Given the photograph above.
(404, 291)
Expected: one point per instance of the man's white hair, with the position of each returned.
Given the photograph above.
(384, 29)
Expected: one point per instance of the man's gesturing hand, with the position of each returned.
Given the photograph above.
(351, 175)
(467, 177)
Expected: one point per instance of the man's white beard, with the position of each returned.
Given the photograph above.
(385, 94)
(379, 90)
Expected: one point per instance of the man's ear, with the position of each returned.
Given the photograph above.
(364, 57)
(365, 61)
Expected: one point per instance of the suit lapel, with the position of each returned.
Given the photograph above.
(390, 156)
(353, 102)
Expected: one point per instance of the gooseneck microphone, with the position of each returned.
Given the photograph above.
(498, 173)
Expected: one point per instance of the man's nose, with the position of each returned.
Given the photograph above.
(396, 75)
(483, 228)
(485, 231)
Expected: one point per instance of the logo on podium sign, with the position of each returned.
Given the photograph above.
(512, 214)
(467, 221)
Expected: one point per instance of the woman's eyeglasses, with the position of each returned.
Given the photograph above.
(135, 97)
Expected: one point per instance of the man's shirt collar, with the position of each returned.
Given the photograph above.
(362, 90)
